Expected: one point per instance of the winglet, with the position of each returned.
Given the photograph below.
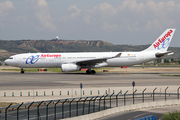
(118, 55)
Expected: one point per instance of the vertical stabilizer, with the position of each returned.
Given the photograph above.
(163, 42)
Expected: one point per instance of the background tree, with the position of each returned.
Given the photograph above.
(166, 61)
(172, 60)
(158, 60)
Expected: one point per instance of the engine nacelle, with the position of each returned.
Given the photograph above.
(70, 67)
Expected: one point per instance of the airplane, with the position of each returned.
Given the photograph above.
(70, 62)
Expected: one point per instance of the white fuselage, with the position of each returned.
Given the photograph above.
(55, 60)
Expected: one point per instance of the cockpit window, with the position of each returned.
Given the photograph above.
(11, 58)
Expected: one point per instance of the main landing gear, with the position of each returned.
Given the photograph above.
(90, 72)
(22, 71)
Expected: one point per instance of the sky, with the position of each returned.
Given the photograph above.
(135, 22)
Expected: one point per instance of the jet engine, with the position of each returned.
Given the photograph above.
(70, 67)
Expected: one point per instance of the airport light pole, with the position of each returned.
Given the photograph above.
(133, 84)
(81, 86)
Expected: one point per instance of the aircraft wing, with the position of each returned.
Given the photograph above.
(158, 55)
(96, 60)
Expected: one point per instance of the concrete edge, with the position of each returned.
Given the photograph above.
(126, 108)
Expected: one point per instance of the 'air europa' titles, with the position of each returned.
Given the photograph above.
(162, 39)
(50, 55)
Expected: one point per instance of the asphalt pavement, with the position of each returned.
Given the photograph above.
(47, 81)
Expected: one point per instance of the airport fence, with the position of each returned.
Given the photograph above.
(65, 108)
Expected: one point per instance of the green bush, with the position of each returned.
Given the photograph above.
(171, 116)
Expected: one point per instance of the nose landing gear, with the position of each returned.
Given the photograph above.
(22, 71)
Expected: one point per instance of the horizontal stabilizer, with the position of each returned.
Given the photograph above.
(158, 55)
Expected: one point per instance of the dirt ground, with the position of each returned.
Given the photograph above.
(146, 69)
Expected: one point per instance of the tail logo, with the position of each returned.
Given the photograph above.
(164, 40)
(164, 45)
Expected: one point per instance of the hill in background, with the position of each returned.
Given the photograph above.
(11, 47)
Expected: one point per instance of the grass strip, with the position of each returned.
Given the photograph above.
(5, 104)
(171, 75)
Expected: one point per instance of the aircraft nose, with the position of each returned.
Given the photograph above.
(6, 61)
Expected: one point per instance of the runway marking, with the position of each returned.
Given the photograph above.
(140, 115)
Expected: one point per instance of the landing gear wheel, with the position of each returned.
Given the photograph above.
(22, 71)
(93, 72)
(88, 72)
